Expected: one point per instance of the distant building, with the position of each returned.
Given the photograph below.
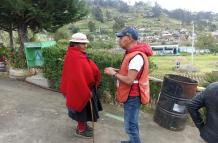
(183, 31)
(166, 35)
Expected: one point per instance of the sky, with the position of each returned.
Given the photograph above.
(190, 5)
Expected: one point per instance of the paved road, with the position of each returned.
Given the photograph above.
(29, 114)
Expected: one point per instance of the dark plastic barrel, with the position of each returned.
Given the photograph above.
(176, 92)
(2, 67)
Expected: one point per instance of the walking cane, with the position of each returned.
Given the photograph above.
(93, 139)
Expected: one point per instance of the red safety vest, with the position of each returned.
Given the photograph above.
(123, 89)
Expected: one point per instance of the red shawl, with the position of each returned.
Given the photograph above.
(79, 75)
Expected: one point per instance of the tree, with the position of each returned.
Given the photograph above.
(203, 16)
(73, 29)
(7, 25)
(212, 27)
(62, 33)
(119, 24)
(207, 42)
(41, 14)
(201, 25)
(156, 10)
(106, 3)
(108, 15)
(91, 26)
(97, 12)
(182, 15)
(123, 7)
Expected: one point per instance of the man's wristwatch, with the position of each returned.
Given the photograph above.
(115, 75)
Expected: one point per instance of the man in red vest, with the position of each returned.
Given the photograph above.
(133, 82)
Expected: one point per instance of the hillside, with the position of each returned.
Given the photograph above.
(169, 27)
(155, 24)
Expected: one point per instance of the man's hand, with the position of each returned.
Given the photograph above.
(116, 69)
(110, 71)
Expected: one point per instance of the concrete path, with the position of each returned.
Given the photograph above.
(29, 114)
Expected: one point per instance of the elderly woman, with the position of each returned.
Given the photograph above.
(80, 78)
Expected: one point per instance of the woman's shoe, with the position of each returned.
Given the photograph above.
(84, 134)
(89, 128)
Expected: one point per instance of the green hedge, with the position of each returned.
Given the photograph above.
(100, 44)
(104, 59)
(53, 62)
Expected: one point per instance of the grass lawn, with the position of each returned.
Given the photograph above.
(166, 64)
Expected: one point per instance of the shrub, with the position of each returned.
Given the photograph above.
(91, 26)
(62, 33)
(152, 66)
(100, 44)
(63, 43)
(210, 78)
(15, 59)
(155, 88)
(184, 54)
(73, 28)
(2, 54)
(91, 37)
(105, 59)
(53, 62)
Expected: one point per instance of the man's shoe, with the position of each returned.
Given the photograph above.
(85, 134)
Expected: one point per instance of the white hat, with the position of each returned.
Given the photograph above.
(79, 38)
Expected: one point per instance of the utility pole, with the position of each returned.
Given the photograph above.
(180, 27)
(193, 41)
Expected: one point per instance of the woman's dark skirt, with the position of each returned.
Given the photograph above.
(86, 114)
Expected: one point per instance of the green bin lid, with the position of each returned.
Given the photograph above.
(42, 44)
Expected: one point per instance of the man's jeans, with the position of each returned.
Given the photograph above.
(131, 117)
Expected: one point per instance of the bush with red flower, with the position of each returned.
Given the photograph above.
(12, 58)
(3, 54)
(15, 59)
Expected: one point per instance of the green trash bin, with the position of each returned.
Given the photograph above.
(33, 52)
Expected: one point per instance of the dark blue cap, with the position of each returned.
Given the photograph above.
(128, 31)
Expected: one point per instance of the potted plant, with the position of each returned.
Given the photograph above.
(2, 59)
(17, 63)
